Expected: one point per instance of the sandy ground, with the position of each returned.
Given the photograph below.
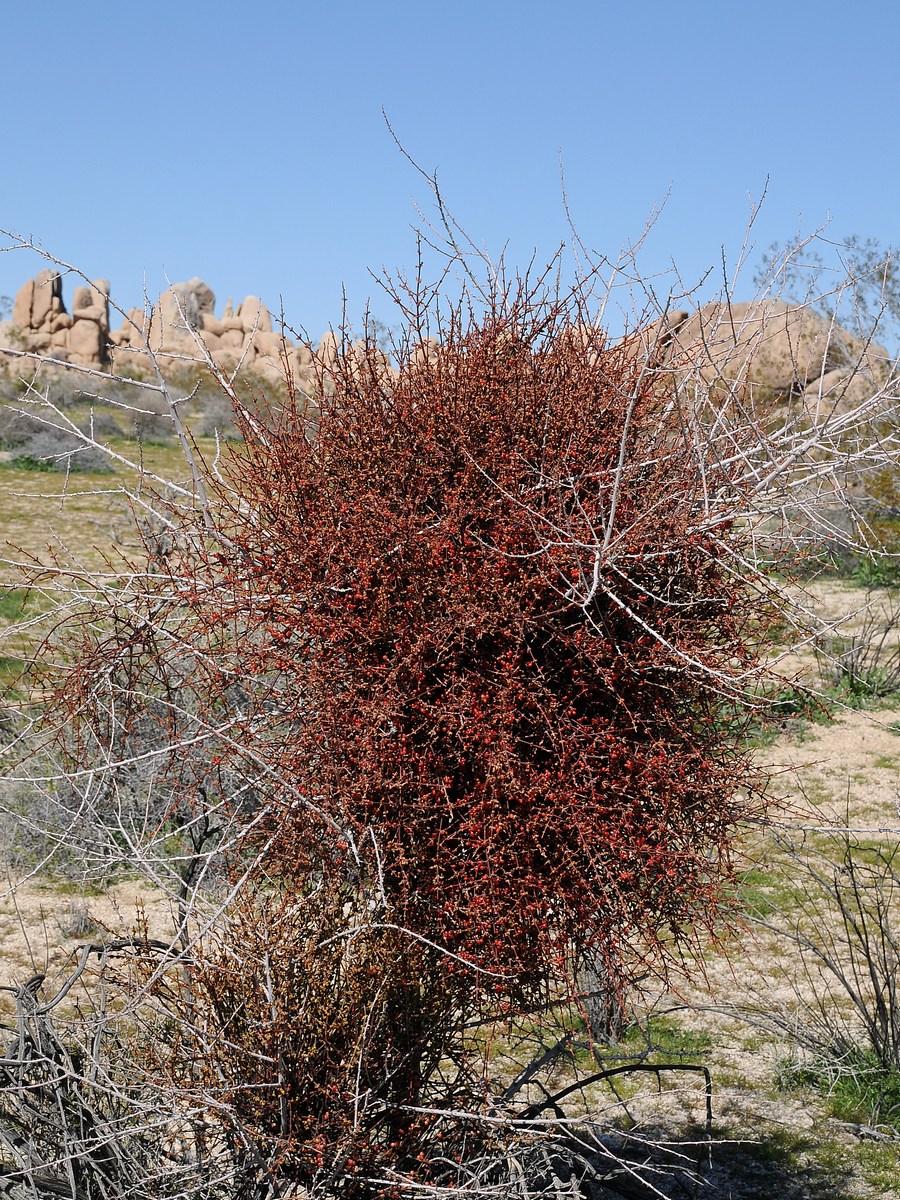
(43, 925)
(824, 778)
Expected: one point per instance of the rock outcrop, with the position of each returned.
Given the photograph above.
(181, 326)
(45, 327)
(780, 352)
(785, 351)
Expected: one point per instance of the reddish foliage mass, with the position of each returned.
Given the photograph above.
(443, 667)
(483, 612)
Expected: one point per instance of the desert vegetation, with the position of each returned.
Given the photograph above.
(436, 719)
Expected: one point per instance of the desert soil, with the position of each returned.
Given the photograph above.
(782, 1142)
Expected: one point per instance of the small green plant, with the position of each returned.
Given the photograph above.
(663, 1036)
(16, 603)
(56, 450)
(859, 1088)
(864, 666)
(865, 1091)
(76, 920)
(27, 462)
(882, 572)
(845, 1040)
(874, 568)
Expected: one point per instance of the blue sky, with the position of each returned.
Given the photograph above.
(246, 144)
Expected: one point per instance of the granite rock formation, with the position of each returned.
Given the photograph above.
(781, 352)
(180, 327)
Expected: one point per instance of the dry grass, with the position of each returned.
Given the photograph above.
(79, 519)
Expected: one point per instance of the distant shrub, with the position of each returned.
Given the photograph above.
(215, 418)
(15, 427)
(103, 423)
(55, 450)
(865, 665)
(153, 422)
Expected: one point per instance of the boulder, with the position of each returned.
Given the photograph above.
(179, 313)
(60, 321)
(134, 328)
(270, 344)
(203, 294)
(38, 342)
(655, 340)
(254, 316)
(212, 325)
(426, 350)
(92, 304)
(781, 348)
(38, 301)
(22, 306)
(47, 288)
(87, 344)
(130, 359)
(840, 388)
(226, 359)
(328, 351)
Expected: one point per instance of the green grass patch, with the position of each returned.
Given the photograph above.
(762, 718)
(787, 1164)
(18, 604)
(81, 888)
(879, 1165)
(868, 1094)
(11, 668)
(857, 1087)
(877, 572)
(27, 462)
(758, 892)
(664, 1037)
(872, 692)
(12, 604)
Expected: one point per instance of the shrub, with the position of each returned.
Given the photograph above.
(483, 614)
(55, 450)
(844, 1025)
(153, 422)
(864, 666)
(491, 593)
(414, 705)
(214, 417)
(442, 662)
(331, 1041)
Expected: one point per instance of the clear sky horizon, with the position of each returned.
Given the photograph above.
(246, 144)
